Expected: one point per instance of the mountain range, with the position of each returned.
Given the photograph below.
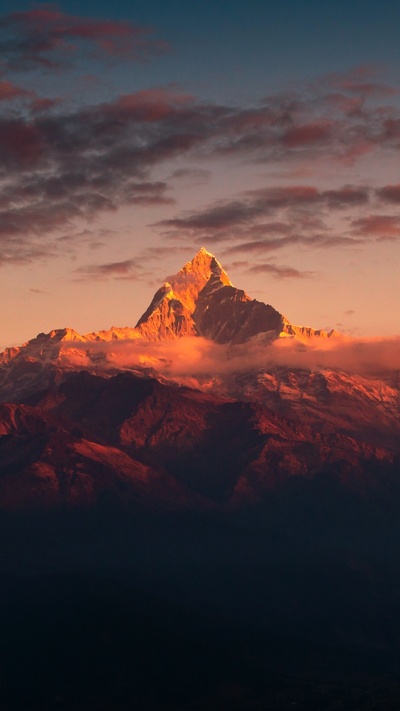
(193, 407)
(199, 512)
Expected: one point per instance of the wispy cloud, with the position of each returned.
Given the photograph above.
(364, 81)
(389, 194)
(10, 91)
(127, 269)
(195, 356)
(49, 38)
(279, 271)
(267, 245)
(38, 291)
(270, 218)
(307, 134)
(380, 225)
(191, 176)
(266, 202)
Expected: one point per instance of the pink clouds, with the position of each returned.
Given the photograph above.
(278, 271)
(9, 91)
(48, 37)
(386, 225)
(64, 162)
(299, 207)
(151, 105)
(126, 269)
(392, 130)
(315, 132)
(364, 80)
(195, 356)
(21, 144)
(390, 193)
(44, 14)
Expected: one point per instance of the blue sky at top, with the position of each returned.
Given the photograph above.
(234, 48)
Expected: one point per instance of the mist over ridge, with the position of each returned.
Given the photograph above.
(197, 355)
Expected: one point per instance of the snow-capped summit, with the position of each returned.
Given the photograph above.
(171, 312)
(200, 300)
(203, 270)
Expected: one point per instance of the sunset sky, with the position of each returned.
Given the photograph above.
(133, 133)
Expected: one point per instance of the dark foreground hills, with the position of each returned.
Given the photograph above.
(232, 545)
(137, 442)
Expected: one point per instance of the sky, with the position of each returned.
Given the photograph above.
(133, 133)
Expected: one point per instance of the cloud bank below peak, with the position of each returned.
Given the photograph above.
(196, 356)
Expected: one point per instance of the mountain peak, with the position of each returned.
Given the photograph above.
(203, 270)
(171, 312)
(200, 300)
(203, 250)
(203, 259)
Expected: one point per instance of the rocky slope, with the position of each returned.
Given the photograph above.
(133, 441)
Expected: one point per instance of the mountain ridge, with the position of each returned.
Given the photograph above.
(186, 305)
(201, 331)
(136, 442)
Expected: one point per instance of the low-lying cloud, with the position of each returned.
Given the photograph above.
(194, 356)
(127, 269)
